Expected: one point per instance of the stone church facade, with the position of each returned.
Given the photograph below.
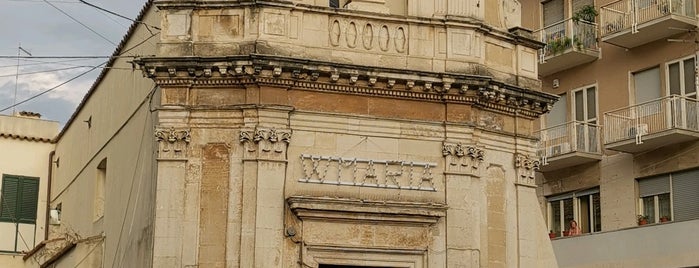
(306, 133)
(377, 134)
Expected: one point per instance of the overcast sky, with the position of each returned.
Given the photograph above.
(44, 31)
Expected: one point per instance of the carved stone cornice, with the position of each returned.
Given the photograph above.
(265, 143)
(342, 209)
(297, 74)
(526, 167)
(172, 142)
(463, 159)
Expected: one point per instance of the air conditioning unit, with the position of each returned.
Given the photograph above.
(55, 217)
(640, 129)
(637, 132)
(558, 149)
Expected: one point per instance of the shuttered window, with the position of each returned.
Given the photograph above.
(553, 12)
(654, 186)
(685, 195)
(18, 200)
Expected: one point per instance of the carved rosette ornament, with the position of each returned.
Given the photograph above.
(172, 142)
(265, 142)
(463, 159)
(526, 167)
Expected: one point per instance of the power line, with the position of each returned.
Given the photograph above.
(121, 16)
(67, 57)
(62, 69)
(50, 89)
(76, 20)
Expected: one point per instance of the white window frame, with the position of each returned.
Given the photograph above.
(576, 210)
(680, 62)
(656, 203)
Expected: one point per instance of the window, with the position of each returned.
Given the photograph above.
(582, 206)
(553, 12)
(99, 193)
(557, 116)
(334, 3)
(681, 78)
(585, 113)
(647, 85)
(18, 200)
(674, 196)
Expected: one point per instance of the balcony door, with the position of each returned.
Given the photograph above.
(648, 115)
(682, 82)
(585, 114)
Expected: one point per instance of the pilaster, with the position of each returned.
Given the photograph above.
(463, 167)
(168, 242)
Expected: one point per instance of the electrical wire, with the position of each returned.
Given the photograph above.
(64, 57)
(83, 24)
(121, 16)
(51, 89)
(64, 69)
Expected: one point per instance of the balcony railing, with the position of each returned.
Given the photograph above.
(651, 118)
(573, 137)
(630, 15)
(565, 37)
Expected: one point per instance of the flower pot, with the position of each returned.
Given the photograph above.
(643, 222)
(552, 235)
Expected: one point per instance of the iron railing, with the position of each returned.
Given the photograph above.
(634, 122)
(628, 14)
(567, 34)
(569, 137)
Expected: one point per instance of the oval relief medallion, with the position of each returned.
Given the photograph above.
(335, 33)
(400, 40)
(368, 36)
(351, 35)
(384, 38)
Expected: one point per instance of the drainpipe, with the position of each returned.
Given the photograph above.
(48, 196)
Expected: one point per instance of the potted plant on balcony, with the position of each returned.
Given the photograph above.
(552, 234)
(642, 220)
(665, 219)
(586, 13)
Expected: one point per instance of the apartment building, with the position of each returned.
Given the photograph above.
(619, 150)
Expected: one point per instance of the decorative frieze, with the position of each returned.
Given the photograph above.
(172, 142)
(325, 76)
(463, 159)
(389, 174)
(526, 167)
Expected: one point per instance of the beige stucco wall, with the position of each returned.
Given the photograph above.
(120, 131)
(26, 145)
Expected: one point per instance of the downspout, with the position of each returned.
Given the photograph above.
(48, 195)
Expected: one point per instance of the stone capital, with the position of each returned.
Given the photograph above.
(172, 143)
(463, 159)
(526, 167)
(265, 143)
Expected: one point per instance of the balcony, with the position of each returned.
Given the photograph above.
(652, 124)
(569, 144)
(658, 245)
(631, 23)
(569, 43)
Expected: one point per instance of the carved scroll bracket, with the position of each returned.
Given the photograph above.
(172, 142)
(463, 159)
(526, 167)
(265, 143)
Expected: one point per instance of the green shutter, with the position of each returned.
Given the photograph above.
(27, 201)
(8, 198)
(19, 198)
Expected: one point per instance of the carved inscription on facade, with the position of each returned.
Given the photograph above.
(390, 174)
(526, 168)
(462, 158)
(172, 143)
